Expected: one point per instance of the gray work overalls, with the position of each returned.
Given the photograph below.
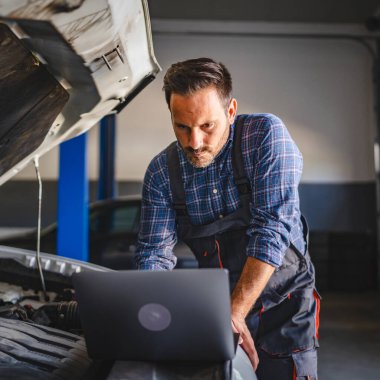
(284, 321)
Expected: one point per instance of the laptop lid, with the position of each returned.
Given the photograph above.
(180, 315)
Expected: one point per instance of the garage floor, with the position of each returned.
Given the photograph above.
(350, 336)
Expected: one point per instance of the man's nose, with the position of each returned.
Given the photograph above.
(195, 139)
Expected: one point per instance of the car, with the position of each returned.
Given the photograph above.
(113, 230)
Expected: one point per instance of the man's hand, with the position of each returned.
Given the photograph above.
(245, 340)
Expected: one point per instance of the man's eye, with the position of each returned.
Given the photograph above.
(208, 125)
(180, 126)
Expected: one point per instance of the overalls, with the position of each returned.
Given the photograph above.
(284, 320)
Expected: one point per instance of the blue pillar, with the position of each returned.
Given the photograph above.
(72, 239)
(107, 137)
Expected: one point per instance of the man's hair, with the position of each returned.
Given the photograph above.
(187, 77)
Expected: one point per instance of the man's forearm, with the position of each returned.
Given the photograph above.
(253, 279)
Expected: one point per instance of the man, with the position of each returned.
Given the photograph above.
(229, 188)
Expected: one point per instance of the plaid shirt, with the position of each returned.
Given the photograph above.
(273, 165)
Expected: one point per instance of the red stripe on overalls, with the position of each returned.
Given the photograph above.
(318, 301)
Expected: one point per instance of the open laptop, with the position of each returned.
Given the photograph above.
(180, 315)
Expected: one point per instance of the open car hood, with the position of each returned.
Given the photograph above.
(64, 64)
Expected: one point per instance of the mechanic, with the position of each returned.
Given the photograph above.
(228, 187)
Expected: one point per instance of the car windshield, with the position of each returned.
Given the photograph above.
(121, 218)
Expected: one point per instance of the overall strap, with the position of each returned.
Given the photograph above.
(240, 178)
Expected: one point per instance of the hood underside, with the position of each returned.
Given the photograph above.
(64, 64)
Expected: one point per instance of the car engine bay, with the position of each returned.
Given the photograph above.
(40, 334)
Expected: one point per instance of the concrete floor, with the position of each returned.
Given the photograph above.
(350, 336)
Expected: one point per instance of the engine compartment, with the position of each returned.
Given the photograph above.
(21, 296)
(40, 334)
(60, 310)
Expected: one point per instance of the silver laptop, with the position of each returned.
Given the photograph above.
(180, 315)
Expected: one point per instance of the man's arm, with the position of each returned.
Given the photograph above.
(252, 281)
(157, 235)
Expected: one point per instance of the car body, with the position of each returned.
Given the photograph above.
(113, 232)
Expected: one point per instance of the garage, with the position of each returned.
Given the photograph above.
(84, 114)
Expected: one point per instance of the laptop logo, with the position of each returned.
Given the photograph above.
(154, 317)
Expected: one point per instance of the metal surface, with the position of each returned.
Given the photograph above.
(49, 263)
(30, 99)
(72, 42)
(72, 239)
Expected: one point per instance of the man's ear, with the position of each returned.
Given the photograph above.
(231, 111)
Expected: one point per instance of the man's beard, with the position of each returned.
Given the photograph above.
(205, 158)
(206, 155)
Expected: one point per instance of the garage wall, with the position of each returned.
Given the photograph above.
(322, 89)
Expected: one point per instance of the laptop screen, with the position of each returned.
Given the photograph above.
(180, 315)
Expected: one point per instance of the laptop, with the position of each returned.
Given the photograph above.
(181, 315)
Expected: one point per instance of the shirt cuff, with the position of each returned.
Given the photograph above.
(266, 250)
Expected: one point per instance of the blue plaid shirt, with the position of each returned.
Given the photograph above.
(273, 165)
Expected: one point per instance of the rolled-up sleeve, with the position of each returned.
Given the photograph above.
(157, 235)
(275, 175)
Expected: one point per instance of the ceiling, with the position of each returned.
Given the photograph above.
(317, 11)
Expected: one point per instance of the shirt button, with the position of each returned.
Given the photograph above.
(214, 191)
(221, 216)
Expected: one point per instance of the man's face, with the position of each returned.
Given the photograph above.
(201, 123)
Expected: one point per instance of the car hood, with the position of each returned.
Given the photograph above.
(63, 66)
